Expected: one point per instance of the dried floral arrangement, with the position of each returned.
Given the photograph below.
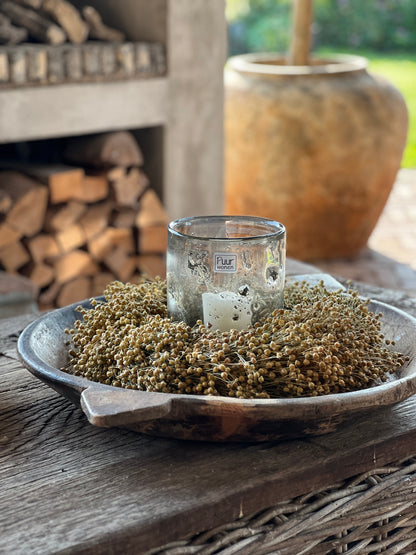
(322, 342)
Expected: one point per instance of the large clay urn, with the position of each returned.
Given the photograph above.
(315, 147)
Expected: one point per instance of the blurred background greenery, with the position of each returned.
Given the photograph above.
(384, 31)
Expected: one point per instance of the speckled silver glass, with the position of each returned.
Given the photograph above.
(227, 271)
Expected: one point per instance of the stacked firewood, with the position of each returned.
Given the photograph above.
(52, 22)
(72, 228)
(52, 41)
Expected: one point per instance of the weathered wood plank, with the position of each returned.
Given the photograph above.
(38, 26)
(143, 486)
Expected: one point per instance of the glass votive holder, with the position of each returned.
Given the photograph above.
(227, 271)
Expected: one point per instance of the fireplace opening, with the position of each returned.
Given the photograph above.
(79, 212)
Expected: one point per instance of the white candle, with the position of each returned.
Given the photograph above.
(226, 310)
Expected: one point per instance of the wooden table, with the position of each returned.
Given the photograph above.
(69, 487)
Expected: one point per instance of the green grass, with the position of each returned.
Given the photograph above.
(400, 70)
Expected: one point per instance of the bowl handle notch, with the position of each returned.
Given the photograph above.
(120, 407)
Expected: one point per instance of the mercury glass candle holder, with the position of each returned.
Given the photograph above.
(227, 271)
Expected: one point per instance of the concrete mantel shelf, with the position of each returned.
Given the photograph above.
(71, 109)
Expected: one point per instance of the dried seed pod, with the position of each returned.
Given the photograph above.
(322, 342)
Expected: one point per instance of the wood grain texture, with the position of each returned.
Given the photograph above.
(69, 487)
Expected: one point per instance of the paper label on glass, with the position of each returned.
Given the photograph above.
(225, 263)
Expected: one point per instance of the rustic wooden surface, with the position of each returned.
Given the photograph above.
(69, 487)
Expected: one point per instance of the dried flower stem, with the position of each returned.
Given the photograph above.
(322, 342)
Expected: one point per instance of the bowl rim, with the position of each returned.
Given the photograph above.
(387, 393)
(264, 63)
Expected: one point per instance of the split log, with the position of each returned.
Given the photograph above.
(4, 67)
(151, 211)
(17, 66)
(37, 66)
(70, 238)
(68, 183)
(102, 245)
(152, 239)
(72, 58)
(39, 27)
(74, 291)
(59, 218)
(95, 219)
(98, 29)
(69, 18)
(46, 299)
(29, 200)
(126, 58)
(150, 58)
(74, 264)
(117, 148)
(14, 257)
(121, 264)
(91, 59)
(143, 57)
(41, 274)
(99, 282)
(34, 4)
(117, 172)
(130, 188)
(93, 189)
(43, 247)
(8, 235)
(123, 217)
(64, 182)
(10, 34)
(151, 221)
(56, 72)
(152, 265)
(108, 59)
(5, 202)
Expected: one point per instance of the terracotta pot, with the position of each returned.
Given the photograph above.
(315, 147)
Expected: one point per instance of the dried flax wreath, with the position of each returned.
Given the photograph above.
(321, 342)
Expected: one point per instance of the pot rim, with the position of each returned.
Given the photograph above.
(267, 63)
